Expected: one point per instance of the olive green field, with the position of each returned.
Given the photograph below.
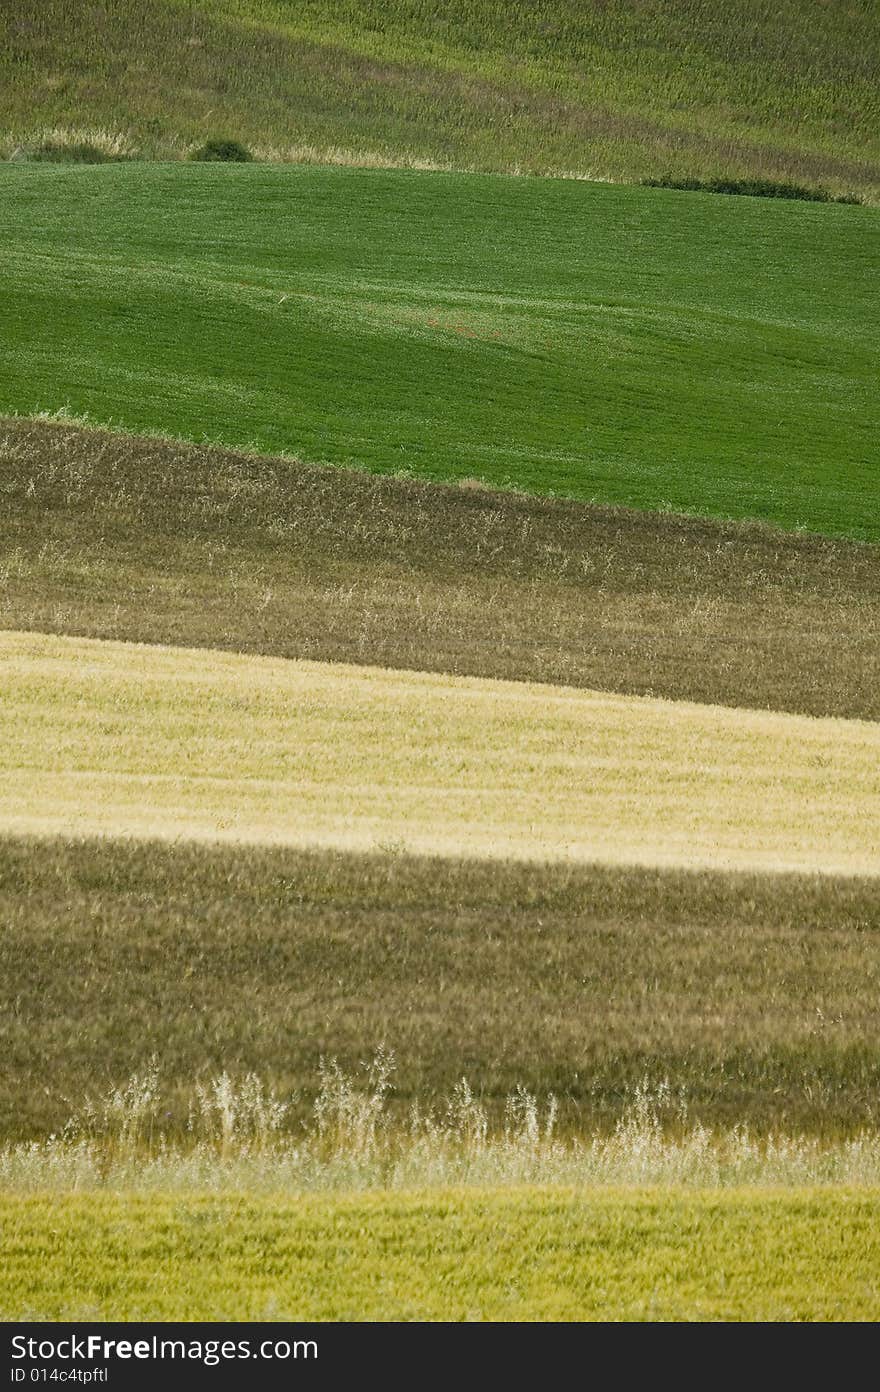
(613, 89)
(753, 995)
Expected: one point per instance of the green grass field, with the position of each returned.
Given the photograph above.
(622, 89)
(515, 1255)
(636, 346)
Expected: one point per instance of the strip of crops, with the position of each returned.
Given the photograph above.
(529, 1254)
(754, 997)
(162, 742)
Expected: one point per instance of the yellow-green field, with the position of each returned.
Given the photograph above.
(526, 1254)
(105, 737)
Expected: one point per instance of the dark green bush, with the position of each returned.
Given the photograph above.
(751, 188)
(228, 150)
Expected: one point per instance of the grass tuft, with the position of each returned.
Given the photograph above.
(236, 1141)
(73, 145)
(222, 151)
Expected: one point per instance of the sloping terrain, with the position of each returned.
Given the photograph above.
(112, 537)
(593, 977)
(618, 89)
(102, 737)
(623, 345)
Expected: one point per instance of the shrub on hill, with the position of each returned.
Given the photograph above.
(228, 150)
(752, 188)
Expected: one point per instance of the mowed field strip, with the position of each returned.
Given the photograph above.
(108, 737)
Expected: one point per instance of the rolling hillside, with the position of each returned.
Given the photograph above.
(638, 346)
(439, 660)
(617, 90)
(594, 976)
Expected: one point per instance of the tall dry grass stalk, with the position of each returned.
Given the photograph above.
(236, 1140)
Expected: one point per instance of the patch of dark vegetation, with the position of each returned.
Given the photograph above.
(752, 188)
(755, 994)
(73, 152)
(228, 151)
(110, 536)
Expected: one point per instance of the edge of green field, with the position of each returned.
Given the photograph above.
(642, 347)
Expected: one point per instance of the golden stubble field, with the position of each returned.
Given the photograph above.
(106, 737)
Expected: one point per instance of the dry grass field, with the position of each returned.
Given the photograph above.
(754, 995)
(121, 739)
(110, 536)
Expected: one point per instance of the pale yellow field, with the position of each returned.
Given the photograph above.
(129, 740)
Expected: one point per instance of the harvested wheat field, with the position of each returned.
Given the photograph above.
(106, 737)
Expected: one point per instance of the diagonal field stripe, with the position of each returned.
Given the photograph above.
(123, 739)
